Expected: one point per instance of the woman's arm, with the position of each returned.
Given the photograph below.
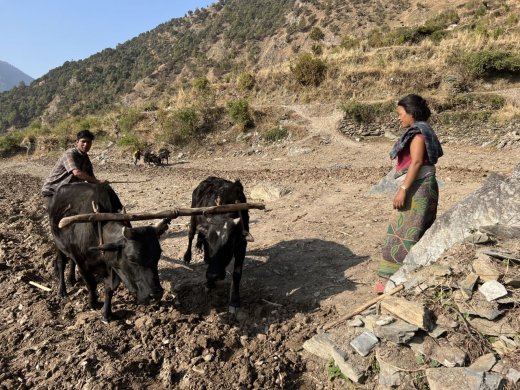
(417, 153)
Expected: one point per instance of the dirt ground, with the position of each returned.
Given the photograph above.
(314, 258)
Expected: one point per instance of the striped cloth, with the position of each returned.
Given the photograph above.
(433, 146)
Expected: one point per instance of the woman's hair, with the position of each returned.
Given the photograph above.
(416, 106)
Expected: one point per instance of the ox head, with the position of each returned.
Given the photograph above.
(221, 231)
(134, 257)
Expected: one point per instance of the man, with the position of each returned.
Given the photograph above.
(73, 166)
(137, 156)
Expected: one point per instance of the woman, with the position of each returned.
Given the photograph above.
(417, 152)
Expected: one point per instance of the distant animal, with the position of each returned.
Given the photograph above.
(223, 236)
(164, 154)
(151, 158)
(121, 254)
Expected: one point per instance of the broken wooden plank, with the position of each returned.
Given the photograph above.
(412, 312)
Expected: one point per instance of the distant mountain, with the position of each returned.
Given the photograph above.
(11, 77)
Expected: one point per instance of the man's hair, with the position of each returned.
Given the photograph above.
(85, 134)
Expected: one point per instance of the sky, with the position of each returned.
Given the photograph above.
(39, 35)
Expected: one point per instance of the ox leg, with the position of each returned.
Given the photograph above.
(71, 277)
(59, 268)
(234, 296)
(191, 234)
(91, 283)
(111, 283)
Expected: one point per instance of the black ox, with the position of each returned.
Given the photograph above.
(223, 236)
(124, 254)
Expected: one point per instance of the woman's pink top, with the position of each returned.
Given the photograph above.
(404, 158)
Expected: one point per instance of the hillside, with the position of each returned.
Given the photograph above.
(11, 76)
(232, 65)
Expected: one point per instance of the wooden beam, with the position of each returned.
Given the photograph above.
(169, 214)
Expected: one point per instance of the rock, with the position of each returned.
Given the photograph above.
(399, 332)
(513, 375)
(167, 374)
(477, 306)
(485, 268)
(493, 290)
(322, 346)
(356, 322)
(298, 151)
(468, 284)
(446, 322)
(437, 332)
(484, 363)
(364, 343)
(385, 320)
(439, 350)
(268, 192)
(477, 238)
(387, 185)
(388, 375)
(497, 201)
(461, 378)
(493, 328)
(502, 232)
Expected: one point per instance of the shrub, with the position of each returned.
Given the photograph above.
(132, 141)
(238, 110)
(201, 84)
(366, 112)
(349, 43)
(489, 62)
(317, 49)
(128, 120)
(246, 81)
(316, 34)
(10, 142)
(276, 134)
(309, 70)
(179, 127)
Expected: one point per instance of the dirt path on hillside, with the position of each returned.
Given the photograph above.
(313, 259)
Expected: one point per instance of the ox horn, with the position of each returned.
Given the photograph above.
(162, 226)
(248, 236)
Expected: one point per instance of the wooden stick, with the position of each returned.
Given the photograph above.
(170, 214)
(44, 288)
(363, 307)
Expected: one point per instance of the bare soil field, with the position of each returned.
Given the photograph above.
(314, 258)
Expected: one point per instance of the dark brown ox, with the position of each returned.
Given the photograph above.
(113, 250)
(222, 237)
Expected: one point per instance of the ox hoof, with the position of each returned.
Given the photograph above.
(233, 309)
(105, 321)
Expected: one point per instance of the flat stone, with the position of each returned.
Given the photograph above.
(484, 363)
(468, 284)
(485, 268)
(356, 322)
(440, 270)
(499, 327)
(268, 192)
(458, 378)
(439, 350)
(370, 322)
(437, 332)
(477, 306)
(388, 375)
(446, 322)
(454, 379)
(399, 332)
(502, 347)
(492, 290)
(364, 343)
(513, 375)
(477, 238)
(512, 281)
(320, 345)
(385, 320)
